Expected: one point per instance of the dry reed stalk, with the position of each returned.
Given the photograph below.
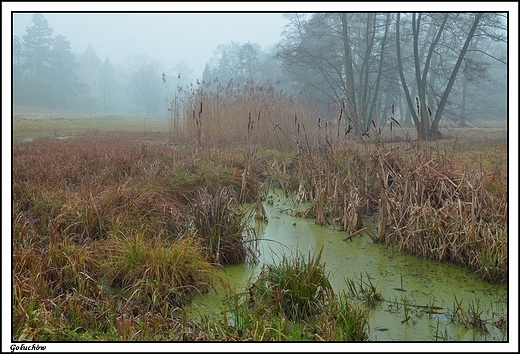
(260, 213)
(439, 213)
(320, 202)
(352, 218)
(269, 125)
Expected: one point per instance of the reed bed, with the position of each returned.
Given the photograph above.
(439, 210)
(219, 115)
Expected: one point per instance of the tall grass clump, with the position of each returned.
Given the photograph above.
(221, 225)
(295, 288)
(156, 273)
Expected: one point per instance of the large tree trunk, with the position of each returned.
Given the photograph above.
(456, 68)
(462, 122)
(364, 102)
(401, 72)
(376, 93)
(349, 73)
(425, 132)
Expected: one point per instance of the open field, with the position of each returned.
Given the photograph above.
(29, 126)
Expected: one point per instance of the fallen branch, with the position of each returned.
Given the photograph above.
(349, 237)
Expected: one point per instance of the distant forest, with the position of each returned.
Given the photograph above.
(445, 65)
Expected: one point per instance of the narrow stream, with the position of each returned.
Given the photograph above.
(399, 278)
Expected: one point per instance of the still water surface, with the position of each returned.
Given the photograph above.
(398, 277)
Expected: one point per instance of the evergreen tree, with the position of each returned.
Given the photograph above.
(206, 75)
(44, 68)
(37, 44)
(63, 68)
(17, 69)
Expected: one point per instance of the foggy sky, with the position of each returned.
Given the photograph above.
(172, 37)
(167, 37)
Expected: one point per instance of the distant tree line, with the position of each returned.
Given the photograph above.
(415, 68)
(47, 74)
(242, 63)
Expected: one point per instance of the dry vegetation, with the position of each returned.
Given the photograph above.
(105, 220)
(442, 200)
(114, 233)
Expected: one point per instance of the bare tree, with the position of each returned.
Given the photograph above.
(144, 83)
(238, 62)
(350, 57)
(426, 122)
(339, 57)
